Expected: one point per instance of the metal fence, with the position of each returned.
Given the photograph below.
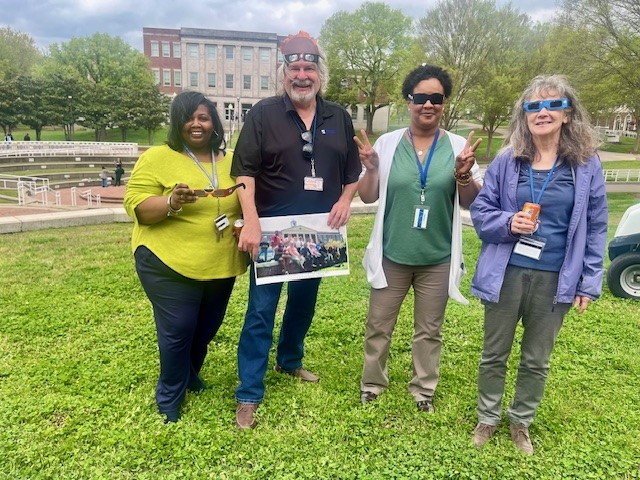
(60, 149)
(621, 176)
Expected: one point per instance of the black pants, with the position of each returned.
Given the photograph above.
(188, 314)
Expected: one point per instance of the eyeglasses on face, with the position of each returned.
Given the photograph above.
(422, 98)
(307, 148)
(307, 57)
(555, 104)
(218, 192)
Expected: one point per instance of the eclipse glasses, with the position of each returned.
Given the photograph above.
(307, 57)
(422, 98)
(538, 105)
(218, 192)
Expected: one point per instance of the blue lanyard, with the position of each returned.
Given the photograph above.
(214, 174)
(423, 171)
(544, 185)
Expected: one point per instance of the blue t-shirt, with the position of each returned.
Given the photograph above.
(556, 206)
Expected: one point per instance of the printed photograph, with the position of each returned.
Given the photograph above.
(300, 246)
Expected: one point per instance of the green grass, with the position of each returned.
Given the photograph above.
(78, 366)
(625, 146)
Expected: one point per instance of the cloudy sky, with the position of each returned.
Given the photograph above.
(57, 21)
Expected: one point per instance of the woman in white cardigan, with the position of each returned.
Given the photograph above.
(420, 176)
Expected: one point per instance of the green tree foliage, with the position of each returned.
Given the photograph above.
(617, 24)
(365, 51)
(18, 53)
(466, 37)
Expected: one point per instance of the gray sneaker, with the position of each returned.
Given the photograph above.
(482, 433)
(520, 436)
(367, 397)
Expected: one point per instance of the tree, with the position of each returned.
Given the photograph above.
(365, 50)
(18, 53)
(154, 110)
(465, 37)
(617, 24)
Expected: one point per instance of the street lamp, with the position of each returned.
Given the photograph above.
(239, 113)
(230, 121)
(71, 119)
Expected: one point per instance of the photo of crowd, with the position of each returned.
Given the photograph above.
(290, 250)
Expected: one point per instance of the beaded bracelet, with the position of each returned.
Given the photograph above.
(462, 179)
(172, 211)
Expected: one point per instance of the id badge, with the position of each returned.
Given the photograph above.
(313, 183)
(221, 222)
(530, 247)
(420, 217)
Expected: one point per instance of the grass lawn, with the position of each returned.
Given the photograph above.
(79, 362)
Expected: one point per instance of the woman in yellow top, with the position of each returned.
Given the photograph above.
(183, 202)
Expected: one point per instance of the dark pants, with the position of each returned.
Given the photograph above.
(257, 333)
(188, 313)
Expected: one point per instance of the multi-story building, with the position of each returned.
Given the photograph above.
(233, 69)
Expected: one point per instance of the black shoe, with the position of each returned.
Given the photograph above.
(426, 405)
(367, 397)
(197, 386)
(171, 417)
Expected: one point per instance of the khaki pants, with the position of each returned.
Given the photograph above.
(430, 285)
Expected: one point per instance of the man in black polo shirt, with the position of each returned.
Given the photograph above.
(296, 155)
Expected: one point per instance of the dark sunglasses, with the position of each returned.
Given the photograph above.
(422, 98)
(307, 57)
(218, 192)
(307, 148)
(555, 104)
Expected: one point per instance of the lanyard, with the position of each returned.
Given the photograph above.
(544, 185)
(423, 171)
(213, 178)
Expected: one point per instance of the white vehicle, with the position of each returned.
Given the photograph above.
(623, 276)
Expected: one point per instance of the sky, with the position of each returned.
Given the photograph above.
(58, 21)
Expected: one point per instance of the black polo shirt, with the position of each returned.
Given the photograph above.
(270, 150)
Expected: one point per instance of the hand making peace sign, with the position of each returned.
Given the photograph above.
(466, 158)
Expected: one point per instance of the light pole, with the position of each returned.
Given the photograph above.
(71, 120)
(230, 121)
(239, 113)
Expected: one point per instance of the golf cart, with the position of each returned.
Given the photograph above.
(623, 276)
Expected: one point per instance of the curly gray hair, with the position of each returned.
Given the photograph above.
(578, 138)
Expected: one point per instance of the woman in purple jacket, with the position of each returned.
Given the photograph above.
(542, 219)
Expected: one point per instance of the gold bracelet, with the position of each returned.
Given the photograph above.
(462, 179)
(172, 211)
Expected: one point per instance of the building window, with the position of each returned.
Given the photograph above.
(265, 54)
(211, 80)
(166, 46)
(155, 48)
(228, 80)
(156, 75)
(177, 78)
(212, 52)
(228, 52)
(264, 82)
(177, 53)
(247, 54)
(193, 79)
(166, 78)
(193, 50)
(246, 82)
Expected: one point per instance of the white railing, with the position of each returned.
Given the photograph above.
(621, 175)
(49, 149)
(29, 188)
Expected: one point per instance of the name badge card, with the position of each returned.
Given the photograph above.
(530, 247)
(313, 183)
(420, 216)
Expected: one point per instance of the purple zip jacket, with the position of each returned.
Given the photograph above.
(582, 268)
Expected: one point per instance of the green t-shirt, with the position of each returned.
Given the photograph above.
(402, 243)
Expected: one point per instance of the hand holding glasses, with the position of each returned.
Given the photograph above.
(218, 192)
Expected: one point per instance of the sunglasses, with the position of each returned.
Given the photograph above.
(422, 98)
(307, 57)
(218, 192)
(555, 104)
(307, 148)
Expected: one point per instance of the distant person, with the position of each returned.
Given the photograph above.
(534, 267)
(104, 177)
(27, 138)
(119, 171)
(186, 256)
(8, 137)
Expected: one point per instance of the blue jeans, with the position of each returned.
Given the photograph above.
(256, 337)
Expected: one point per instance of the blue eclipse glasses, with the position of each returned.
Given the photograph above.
(538, 105)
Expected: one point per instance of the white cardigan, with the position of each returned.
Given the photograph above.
(386, 146)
